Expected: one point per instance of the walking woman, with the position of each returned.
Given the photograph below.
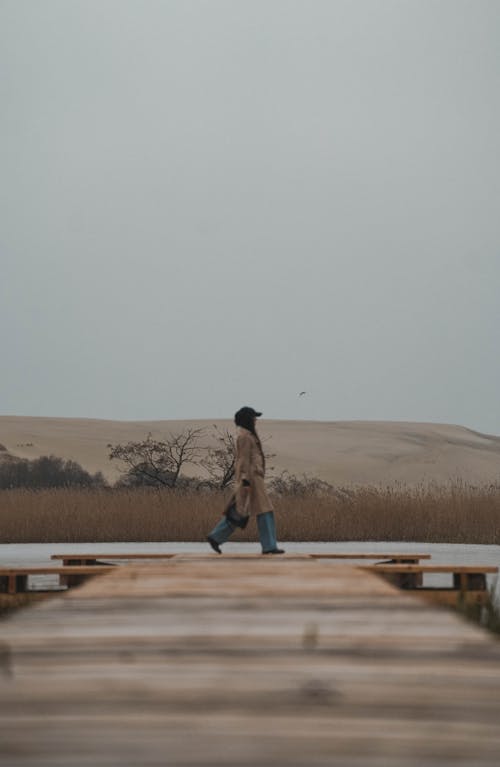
(250, 493)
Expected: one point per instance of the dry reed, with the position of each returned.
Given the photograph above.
(457, 513)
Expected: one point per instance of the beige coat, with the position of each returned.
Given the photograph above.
(250, 466)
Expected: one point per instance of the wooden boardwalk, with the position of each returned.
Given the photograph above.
(239, 661)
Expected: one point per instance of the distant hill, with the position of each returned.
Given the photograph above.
(341, 452)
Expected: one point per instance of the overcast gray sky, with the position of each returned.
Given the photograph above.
(210, 203)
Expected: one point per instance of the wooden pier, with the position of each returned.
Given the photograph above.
(240, 661)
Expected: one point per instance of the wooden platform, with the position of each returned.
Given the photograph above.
(245, 661)
(93, 558)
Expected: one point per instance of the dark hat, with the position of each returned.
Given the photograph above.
(245, 415)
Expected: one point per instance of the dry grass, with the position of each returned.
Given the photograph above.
(454, 514)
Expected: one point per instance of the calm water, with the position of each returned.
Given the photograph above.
(13, 554)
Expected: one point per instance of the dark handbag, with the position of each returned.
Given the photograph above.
(233, 516)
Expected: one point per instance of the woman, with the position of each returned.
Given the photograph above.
(251, 495)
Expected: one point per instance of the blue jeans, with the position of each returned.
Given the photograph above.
(265, 525)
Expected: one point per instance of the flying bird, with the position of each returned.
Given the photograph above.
(302, 393)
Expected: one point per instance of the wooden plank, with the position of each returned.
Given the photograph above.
(401, 568)
(90, 559)
(312, 737)
(172, 626)
(54, 570)
(204, 681)
(183, 557)
(396, 557)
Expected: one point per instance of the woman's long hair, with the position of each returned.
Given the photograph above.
(247, 421)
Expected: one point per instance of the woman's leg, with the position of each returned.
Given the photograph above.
(220, 534)
(267, 533)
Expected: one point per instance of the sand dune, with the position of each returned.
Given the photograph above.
(341, 452)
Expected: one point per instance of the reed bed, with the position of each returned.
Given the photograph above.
(456, 513)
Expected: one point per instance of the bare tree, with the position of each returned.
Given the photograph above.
(158, 462)
(219, 461)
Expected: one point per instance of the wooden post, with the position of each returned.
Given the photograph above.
(469, 581)
(13, 584)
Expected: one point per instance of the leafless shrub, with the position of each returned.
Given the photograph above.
(219, 461)
(157, 463)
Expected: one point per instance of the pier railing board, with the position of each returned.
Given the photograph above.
(396, 557)
(90, 559)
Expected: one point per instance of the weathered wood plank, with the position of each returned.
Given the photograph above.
(58, 570)
(392, 556)
(407, 568)
(312, 738)
(92, 559)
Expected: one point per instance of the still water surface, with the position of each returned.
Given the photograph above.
(14, 554)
